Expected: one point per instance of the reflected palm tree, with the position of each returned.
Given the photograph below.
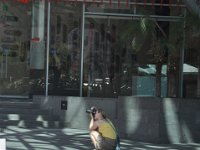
(153, 42)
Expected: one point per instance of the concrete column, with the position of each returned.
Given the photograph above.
(37, 51)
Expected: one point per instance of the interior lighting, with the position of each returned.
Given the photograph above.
(85, 84)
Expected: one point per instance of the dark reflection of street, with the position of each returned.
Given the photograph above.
(71, 139)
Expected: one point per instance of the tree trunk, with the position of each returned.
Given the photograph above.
(158, 79)
(172, 77)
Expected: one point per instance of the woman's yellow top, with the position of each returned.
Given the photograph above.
(107, 130)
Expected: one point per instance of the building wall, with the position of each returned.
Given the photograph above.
(160, 120)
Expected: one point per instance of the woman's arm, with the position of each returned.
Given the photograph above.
(93, 124)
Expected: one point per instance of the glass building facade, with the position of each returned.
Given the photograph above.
(99, 48)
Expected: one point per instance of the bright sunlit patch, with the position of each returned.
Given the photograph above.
(187, 133)
(85, 84)
(46, 100)
(171, 118)
(156, 147)
(13, 129)
(138, 148)
(133, 117)
(39, 118)
(13, 117)
(2, 144)
(46, 134)
(21, 123)
(68, 131)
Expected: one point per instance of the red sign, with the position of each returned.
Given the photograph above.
(24, 1)
(35, 39)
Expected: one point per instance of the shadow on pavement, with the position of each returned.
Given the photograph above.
(72, 139)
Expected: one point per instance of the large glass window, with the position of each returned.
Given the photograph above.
(65, 48)
(15, 36)
(191, 78)
(132, 54)
(129, 48)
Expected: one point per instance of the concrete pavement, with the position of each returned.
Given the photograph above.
(72, 139)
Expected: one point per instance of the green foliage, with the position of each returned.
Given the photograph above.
(143, 37)
(136, 31)
(5, 7)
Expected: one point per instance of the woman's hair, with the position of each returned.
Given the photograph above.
(102, 112)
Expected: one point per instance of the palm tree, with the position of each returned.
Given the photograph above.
(149, 37)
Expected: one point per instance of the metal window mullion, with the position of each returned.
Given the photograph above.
(47, 50)
(181, 63)
(137, 3)
(133, 16)
(82, 49)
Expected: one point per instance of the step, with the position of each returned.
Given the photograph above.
(35, 117)
(29, 124)
(24, 111)
(15, 99)
(7, 104)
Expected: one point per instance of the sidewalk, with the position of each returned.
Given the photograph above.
(71, 139)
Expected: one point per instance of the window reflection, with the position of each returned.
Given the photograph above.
(123, 54)
(14, 48)
(65, 47)
(191, 78)
(138, 55)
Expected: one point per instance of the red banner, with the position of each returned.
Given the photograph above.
(145, 2)
(152, 3)
(110, 2)
(127, 3)
(161, 3)
(24, 1)
(119, 3)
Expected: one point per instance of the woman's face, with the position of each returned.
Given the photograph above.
(98, 115)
